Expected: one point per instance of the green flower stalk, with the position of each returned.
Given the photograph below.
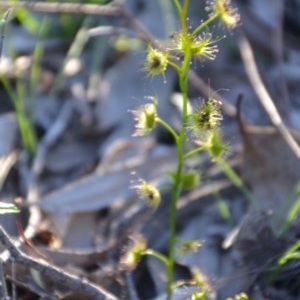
(203, 123)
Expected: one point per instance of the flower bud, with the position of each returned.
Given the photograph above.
(189, 180)
(202, 46)
(226, 13)
(156, 62)
(214, 145)
(188, 246)
(206, 118)
(148, 193)
(145, 118)
(134, 253)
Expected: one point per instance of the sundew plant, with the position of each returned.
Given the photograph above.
(202, 124)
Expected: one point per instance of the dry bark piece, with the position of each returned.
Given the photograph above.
(53, 273)
(8, 133)
(260, 249)
(256, 240)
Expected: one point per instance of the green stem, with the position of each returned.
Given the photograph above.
(205, 24)
(178, 6)
(176, 190)
(183, 15)
(157, 255)
(174, 65)
(168, 127)
(175, 195)
(194, 151)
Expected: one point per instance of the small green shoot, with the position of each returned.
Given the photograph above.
(8, 208)
(291, 254)
(293, 210)
(21, 91)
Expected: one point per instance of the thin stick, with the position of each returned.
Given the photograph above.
(13, 275)
(75, 8)
(34, 288)
(130, 287)
(48, 140)
(282, 99)
(3, 23)
(57, 275)
(263, 95)
(3, 290)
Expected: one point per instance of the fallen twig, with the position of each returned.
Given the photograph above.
(282, 99)
(34, 288)
(263, 95)
(75, 8)
(55, 274)
(6, 164)
(54, 132)
(52, 135)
